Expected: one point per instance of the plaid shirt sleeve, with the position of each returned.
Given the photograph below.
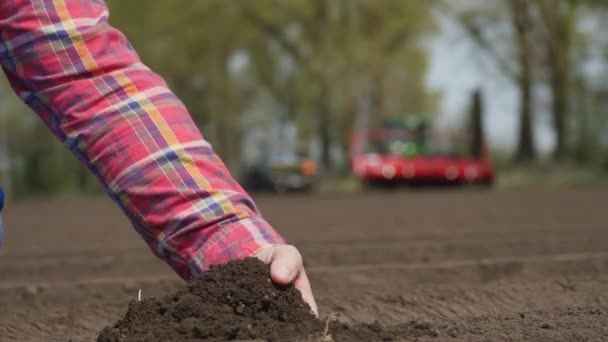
(89, 87)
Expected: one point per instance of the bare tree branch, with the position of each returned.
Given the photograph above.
(273, 31)
(476, 35)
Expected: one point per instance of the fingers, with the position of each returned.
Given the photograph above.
(301, 283)
(286, 267)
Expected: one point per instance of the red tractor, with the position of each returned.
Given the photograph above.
(407, 152)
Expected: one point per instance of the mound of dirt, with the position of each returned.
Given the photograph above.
(235, 301)
(238, 301)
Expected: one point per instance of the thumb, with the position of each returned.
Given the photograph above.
(285, 263)
(286, 267)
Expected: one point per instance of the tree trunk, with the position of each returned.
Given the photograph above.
(525, 148)
(377, 114)
(585, 143)
(223, 125)
(226, 120)
(348, 126)
(559, 47)
(324, 135)
(324, 123)
(559, 89)
(477, 140)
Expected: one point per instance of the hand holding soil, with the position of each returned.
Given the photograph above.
(287, 267)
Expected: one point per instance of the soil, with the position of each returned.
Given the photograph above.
(236, 301)
(437, 265)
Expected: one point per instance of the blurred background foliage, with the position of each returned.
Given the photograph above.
(302, 74)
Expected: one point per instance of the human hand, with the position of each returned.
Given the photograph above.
(286, 267)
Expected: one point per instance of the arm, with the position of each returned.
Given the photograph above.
(89, 87)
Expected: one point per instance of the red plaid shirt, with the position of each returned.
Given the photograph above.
(89, 87)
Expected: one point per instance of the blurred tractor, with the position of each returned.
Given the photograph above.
(406, 151)
(286, 171)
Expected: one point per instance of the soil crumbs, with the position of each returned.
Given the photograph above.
(238, 301)
(235, 301)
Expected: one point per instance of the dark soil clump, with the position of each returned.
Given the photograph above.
(238, 301)
(235, 301)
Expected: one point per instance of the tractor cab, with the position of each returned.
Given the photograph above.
(408, 138)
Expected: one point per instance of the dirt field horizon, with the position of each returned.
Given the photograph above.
(69, 267)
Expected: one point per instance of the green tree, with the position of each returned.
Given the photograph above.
(350, 50)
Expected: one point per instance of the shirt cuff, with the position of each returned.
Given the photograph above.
(233, 241)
